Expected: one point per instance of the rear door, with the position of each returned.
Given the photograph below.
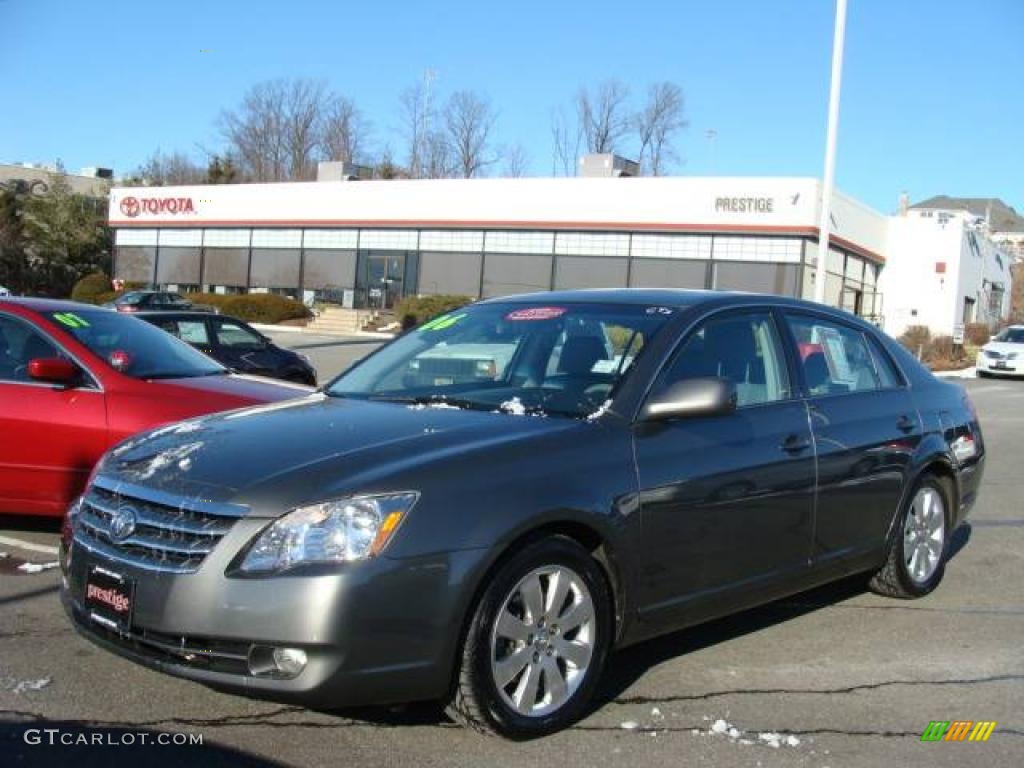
(727, 501)
(866, 429)
(50, 437)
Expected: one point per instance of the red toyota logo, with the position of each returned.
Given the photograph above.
(130, 207)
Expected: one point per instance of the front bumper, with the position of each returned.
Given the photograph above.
(1000, 367)
(378, 632)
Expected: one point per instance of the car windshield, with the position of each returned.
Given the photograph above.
(552, 359)
(1011, 335)
(135, 347)
(131, 299)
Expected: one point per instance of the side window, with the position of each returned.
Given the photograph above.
(234, 335)
(19, 344)
(836, 359)
(743, 348)
(887, 373)
(193, 331)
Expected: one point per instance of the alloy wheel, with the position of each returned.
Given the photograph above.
(924, 532)
(543, 640)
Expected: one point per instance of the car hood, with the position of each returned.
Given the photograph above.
(245, 455)
(1004, 347)
(248, 389)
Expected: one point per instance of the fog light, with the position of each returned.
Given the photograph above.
(267, 661)
(289, 661)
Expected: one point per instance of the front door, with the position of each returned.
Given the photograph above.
(727, 501)
(382, 278)
(50, 436)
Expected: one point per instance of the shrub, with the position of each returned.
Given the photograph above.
(415, 310)
(253, 307)
(916, 338)
(90, 287)
(977, 334)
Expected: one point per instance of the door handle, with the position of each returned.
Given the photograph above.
(795, 444)
(905, 424)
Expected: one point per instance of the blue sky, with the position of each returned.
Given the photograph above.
(932, 89)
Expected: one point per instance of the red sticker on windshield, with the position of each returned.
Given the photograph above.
(536, 313)
(120, 359)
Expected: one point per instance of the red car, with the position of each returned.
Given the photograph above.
(75, 379)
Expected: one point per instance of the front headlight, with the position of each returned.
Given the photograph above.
(337, 531)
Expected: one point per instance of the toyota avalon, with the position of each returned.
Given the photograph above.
(638, 462)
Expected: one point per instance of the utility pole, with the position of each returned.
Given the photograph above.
(825, 223)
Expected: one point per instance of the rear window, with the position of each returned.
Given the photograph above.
(133, 346)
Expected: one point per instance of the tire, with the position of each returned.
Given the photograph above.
(489, 696)
(902, 576)
(984, 375)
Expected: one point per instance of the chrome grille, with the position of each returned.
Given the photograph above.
(171, 535)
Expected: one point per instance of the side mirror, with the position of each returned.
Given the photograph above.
(56, 370)
(692, 397)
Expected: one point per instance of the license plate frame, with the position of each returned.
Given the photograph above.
(1001, 365)
(109, 598)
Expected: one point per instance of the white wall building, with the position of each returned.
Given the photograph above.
(943, 272)
(377, 241)
(491, 237)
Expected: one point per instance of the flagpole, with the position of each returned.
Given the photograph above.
(825, 223)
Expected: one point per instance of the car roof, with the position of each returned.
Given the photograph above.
(681, 298)
(191, 314)
(46, 305)
(639, 296)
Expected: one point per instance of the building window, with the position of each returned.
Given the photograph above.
(597, 272)
(506, 274)
(668, 273)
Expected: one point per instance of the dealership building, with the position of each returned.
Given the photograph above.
(366, 244)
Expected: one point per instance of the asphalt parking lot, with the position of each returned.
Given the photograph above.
(831, 677)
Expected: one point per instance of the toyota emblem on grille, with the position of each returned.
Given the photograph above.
(122, 524)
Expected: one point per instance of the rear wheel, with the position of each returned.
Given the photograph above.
(537, 642)
(917, 553)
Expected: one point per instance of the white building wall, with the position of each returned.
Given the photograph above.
(916, 289)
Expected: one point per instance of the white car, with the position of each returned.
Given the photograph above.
(1004, 354)
(4, 291)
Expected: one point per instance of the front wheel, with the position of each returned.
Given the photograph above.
(537, 642)
(917, 554)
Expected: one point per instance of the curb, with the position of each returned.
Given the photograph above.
(963, 373)
(301, 329)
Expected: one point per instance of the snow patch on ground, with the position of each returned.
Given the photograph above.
(23, 686)
(433, 406)
(37, 567)
(767, 738)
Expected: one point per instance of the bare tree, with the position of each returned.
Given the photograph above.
(468, 121)
(516, 161)
(343, 131)
(657, 124)
(438, 158)
(305, 102)
(566, 140)
(603, 116)
(416, 118)
(275, 133)
(176, 168)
